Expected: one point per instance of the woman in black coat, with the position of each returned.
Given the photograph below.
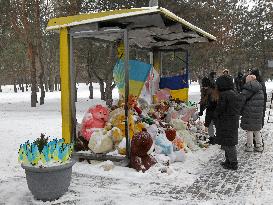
(253, 112)
(227, 120)
(261, 81)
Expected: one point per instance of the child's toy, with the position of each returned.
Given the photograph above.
(101, 141)
(141, 148)
(95, 117)
(184, 134)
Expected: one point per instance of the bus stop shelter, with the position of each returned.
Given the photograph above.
(154, 29)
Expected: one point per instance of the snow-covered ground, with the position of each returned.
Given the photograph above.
(91, 184)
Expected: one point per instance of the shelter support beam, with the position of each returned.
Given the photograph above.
(126, 107)
(65, 85)
(157, 61)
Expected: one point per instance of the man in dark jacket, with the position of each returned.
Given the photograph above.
(227, 120)
(239, 82)
(208, 102)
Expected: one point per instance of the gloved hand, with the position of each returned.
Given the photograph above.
(200, 113)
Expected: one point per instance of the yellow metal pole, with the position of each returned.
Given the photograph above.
(65, 86)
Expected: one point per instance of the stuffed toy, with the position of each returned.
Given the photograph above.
(101, 141)
(143, 104)
(95, 117)
(117, 119)
(170, 134)
(132, 101)
(153, 130)
(178, 143)
(117, 136)
(184, 134)
(162, 144)
(139, 127)
(171, 114)
(141, 148)
(188, 114)
(122, 146)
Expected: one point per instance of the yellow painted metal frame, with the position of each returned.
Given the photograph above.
(65, 85)
(56, 23)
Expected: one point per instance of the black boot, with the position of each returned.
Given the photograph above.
(212, 140)
(230, 165)
(224, 163)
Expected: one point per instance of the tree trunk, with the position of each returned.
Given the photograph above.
(33, 75)
(46, 85)
(91, 95)
(0, 89)
(56, 84)
(102, 92)
(42, 73)
(42, 97)
(51, 86)
(14, 87)
(108, 92)
(26, 87)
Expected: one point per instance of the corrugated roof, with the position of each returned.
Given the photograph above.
(69, 21)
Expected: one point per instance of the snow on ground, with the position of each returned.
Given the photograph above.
(90, 183)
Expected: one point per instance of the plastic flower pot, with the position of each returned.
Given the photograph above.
(48, 183)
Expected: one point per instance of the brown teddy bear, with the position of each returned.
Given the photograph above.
(141, 147)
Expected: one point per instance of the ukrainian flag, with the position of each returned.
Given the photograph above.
(138, 73)
(178, 85)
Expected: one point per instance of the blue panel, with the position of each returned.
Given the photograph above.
(174, 82)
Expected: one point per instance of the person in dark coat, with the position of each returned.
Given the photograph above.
(227, 120)
(212, 79)
(209, 98)
(239, 82)
(252, 113)
(256, 72)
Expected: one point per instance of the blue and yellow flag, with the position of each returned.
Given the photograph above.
(178, 86)
(138, 73)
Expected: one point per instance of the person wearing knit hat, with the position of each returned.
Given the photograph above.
(252, 113)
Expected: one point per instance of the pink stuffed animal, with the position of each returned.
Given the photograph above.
(95, 117)
(188, 114)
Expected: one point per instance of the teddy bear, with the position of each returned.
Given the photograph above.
(101, 141)
(184, 134)
(141, 148)
(95, 117)
(170, 133)
(117, 119)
